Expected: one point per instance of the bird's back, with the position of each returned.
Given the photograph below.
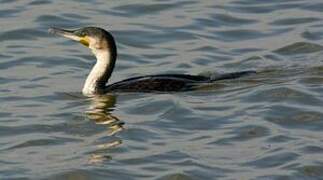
(168, 82)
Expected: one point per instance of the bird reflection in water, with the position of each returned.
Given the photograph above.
(100, 112)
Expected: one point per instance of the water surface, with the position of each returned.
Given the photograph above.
(267, 126)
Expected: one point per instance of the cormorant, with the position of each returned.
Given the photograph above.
(104, 48)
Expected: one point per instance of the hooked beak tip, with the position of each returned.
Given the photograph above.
(59, 31)
(51, 30)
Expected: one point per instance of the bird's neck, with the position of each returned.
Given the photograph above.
(96, 81)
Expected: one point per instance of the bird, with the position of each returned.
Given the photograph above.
(103, 46)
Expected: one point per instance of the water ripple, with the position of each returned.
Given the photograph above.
(243, 34)
(264, 126)
(26, 34)
(144, 9)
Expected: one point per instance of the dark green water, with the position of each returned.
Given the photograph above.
(267, 126)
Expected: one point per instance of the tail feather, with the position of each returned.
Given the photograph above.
(233, 75)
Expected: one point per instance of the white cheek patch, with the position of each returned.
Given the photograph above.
(95, 43)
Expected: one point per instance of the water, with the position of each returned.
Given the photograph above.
(267, 126)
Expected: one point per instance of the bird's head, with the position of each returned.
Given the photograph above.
(93, 37)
